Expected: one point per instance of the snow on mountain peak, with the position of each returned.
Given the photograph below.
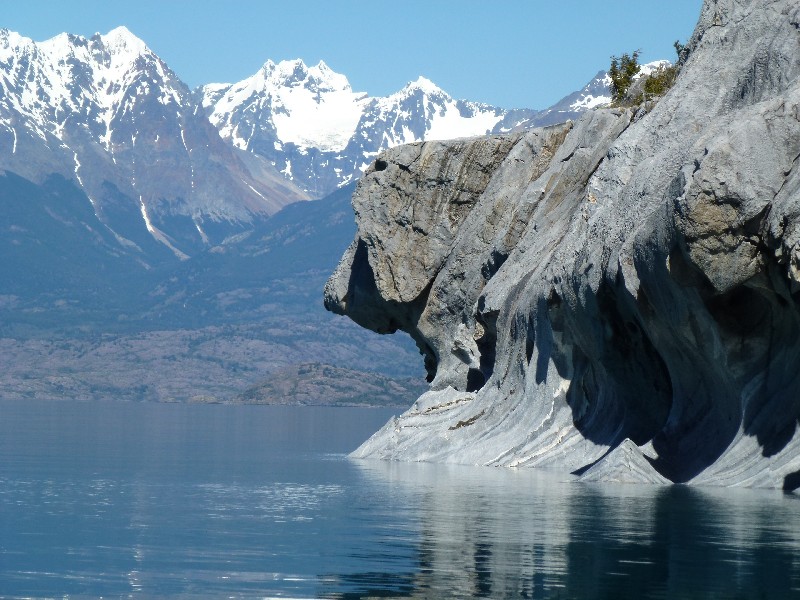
(315, 109)
(302, 118)
(120, 32)
(649, 68)
(309, 106)
(425, 85)
(267, 68)
(421, 84)
(72, 75)
(327, 79)
(121, 41)
(11, 40)
(290, 71)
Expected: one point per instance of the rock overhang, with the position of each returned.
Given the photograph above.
(625, 281)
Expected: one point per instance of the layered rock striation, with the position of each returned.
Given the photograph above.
(617, 297)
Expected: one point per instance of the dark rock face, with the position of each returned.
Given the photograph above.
(616, 297)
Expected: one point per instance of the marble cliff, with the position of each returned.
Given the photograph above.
(616, 297)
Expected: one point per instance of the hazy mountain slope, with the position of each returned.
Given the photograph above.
(279, 265)
(80, 320)
(58, 259)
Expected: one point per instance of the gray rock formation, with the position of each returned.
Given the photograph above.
(616, 297)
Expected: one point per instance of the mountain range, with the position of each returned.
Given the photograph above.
(170, 171)
(131, 204)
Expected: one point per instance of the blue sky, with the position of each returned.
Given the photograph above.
(510, 53)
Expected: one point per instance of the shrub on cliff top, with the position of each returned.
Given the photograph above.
(660, 80)
(623, 73)
(623, 70)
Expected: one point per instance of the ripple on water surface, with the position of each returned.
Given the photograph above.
(192, 501)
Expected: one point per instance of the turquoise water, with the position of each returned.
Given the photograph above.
(153, 500)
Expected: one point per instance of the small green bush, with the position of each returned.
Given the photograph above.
(660, 80)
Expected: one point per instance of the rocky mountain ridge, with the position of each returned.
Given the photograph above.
(310, 124)
(169, 171)
(143, 257)
(615, 297)
(316, 130)
(108, 113)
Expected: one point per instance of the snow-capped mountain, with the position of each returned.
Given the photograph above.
(319, 133)
(110, 115)
(169, 172)
(308, 107)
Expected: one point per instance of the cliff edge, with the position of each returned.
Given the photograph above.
(617, 297)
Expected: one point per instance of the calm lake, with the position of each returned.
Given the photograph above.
(154, 500)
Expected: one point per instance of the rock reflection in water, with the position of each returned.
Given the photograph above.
(500, 533)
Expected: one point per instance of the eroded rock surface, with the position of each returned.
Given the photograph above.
(616, 297)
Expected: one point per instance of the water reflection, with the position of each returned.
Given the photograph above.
(152, 501)
(520, 534)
